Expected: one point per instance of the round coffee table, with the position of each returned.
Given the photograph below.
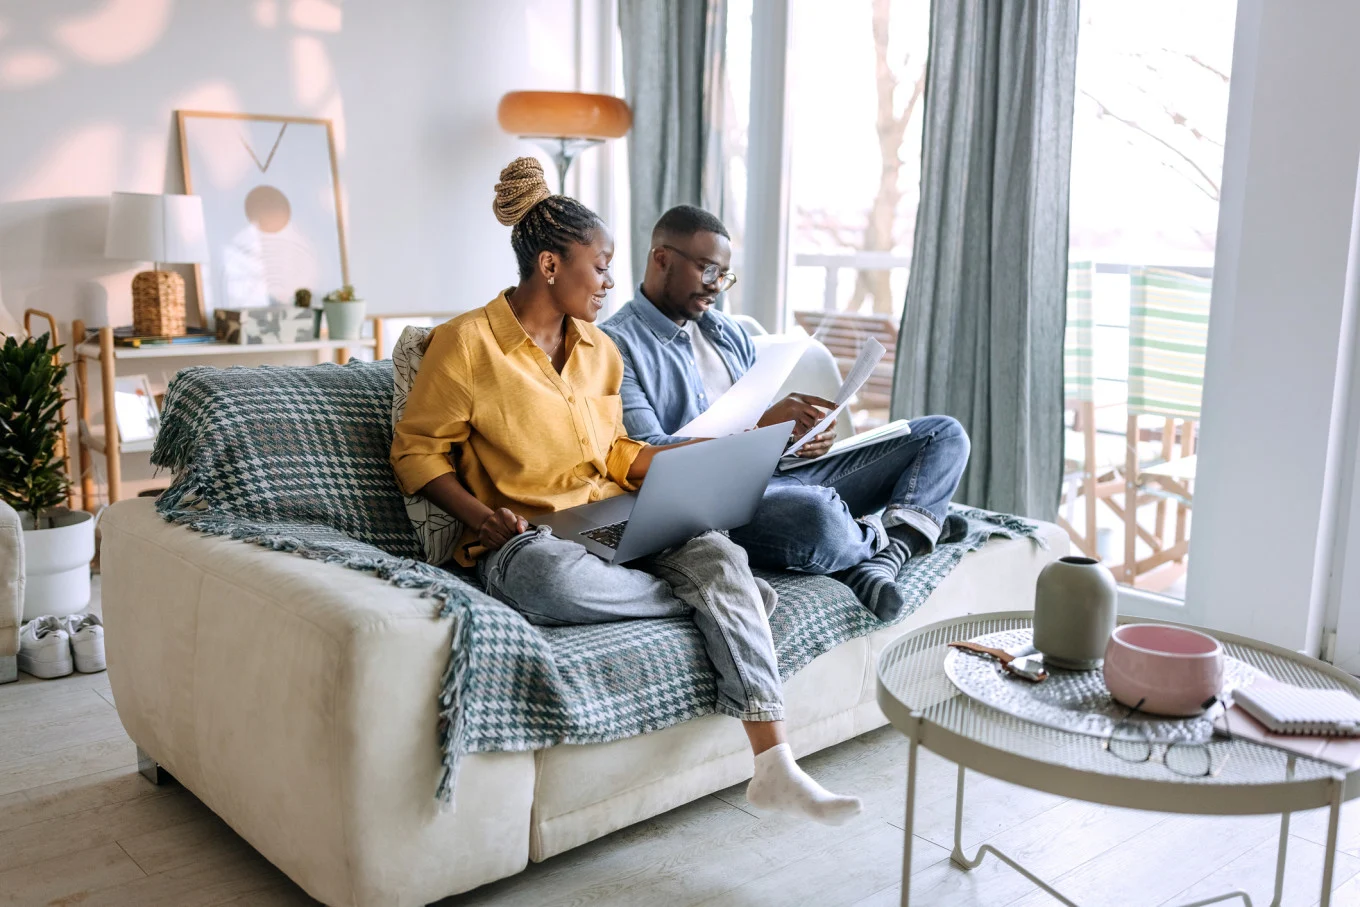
(1254, 779)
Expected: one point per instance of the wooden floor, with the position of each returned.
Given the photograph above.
(78, 825)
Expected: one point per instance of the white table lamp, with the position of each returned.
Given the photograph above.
(156, 228)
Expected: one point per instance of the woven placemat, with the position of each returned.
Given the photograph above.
(1075, 701)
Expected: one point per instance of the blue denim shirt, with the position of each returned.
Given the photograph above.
(661, 386)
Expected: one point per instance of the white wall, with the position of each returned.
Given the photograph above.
(1289, 184)
(87, 94)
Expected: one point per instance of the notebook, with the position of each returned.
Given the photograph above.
(894, 429)
(1286, 709)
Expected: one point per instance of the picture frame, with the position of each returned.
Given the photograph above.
(272, 207)
(135, 409)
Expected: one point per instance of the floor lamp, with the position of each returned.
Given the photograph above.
(564, 123)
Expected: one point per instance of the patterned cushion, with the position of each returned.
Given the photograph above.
(438, 532)
(287, 445)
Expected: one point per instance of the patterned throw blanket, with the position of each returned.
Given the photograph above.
(295, 459)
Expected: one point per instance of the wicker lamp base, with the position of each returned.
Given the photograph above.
(158, 303)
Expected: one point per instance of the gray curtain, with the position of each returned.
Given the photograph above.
(673, 52)
(982, 335)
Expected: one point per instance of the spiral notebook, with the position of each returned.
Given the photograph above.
(1286, 709)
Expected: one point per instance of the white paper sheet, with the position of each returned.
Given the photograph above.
(746, 401)
(869, 356)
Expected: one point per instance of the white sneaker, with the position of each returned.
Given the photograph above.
(87, 641)
(45, 648)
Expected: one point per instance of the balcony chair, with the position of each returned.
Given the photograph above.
(1168, 333)
(843, 333)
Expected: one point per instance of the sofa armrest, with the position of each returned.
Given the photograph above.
(11, 584)
(297, 699)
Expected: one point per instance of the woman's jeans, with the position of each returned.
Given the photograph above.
(554, 582)
(807, 519)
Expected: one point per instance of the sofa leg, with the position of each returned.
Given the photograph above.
(150, 769)
(9, 668)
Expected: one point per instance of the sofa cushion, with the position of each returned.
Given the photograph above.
(588, 791)
(287, 445)
(437, 531)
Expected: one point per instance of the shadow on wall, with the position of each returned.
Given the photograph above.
(88, 90)
(52, 258)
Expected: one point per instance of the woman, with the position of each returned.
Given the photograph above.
(543, 432)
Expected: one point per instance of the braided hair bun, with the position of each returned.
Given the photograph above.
(521, 187)
(540, 221)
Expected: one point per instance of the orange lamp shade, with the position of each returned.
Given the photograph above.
(564, 114)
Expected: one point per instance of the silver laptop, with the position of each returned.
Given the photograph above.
(714, 485)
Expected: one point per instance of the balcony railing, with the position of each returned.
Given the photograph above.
(834, 263)
(1111, 298)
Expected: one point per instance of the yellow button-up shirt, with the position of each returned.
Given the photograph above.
(488, 405)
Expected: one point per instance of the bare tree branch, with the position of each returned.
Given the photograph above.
(1218, 72)
(1104, 111)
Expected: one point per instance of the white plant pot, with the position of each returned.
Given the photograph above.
(57, 563)
(344, 320)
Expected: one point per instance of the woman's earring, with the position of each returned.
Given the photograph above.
(552, 280)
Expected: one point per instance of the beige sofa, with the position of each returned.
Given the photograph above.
(11, 591)
(297, 700)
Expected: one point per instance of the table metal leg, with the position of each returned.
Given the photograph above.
(959, 858)
(1280, 860)
(908, 823)
(1333, 825)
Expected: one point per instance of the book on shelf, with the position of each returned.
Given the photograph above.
(128, 337)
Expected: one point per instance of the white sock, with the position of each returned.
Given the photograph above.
(779, 784)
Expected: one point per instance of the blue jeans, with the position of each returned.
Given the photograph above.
(554, 582)
(807, 520)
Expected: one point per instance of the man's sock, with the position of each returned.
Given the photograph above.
(779, 784)
(955, 529)
(911, 537)
(874, 581)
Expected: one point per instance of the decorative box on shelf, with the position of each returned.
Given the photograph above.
(266, 324)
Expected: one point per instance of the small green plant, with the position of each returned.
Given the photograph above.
(303, 298)
(32, 477)
(344, 294)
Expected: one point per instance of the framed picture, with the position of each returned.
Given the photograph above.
(271, 208)
(135, 409)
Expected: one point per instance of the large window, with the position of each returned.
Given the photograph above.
(857, 79)
(1147, 161)
(736, 132)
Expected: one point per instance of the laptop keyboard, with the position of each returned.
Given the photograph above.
(609, 536)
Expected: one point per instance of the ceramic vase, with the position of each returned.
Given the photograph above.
(1074, 613)
(344, 320)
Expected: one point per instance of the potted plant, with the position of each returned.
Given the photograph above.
(58, 543)
(344, 313)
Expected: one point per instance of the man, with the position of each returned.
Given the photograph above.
(680, 354)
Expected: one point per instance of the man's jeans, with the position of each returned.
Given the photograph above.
(807, 519)
(555, 582)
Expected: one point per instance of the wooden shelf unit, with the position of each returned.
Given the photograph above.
(107, 354)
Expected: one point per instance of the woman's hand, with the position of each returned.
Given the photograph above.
(499, 527)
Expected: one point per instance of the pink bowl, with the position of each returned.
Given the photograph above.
(1171, 670)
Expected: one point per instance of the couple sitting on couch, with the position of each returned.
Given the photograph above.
(517, 409)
